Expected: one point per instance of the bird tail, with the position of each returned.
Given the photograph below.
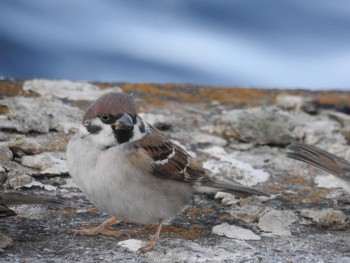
(15, 198)
(228, 186)
(319, 158)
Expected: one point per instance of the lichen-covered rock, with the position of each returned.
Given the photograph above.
(277, 222)
(258, 125)
(39, 115)
(47, 163)
(326, 217)
(5, 242)
(65, 89)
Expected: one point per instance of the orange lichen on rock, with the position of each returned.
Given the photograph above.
(190, 233)
(333, 98)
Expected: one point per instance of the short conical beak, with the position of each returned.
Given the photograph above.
(125, 122)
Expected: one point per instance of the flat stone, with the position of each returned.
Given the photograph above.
(277, 222)
(234, 232)
(325, 217)
(132, 245)
(5, 242)
(47, 163)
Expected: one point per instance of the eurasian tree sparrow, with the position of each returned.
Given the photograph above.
(322, 159)
(132, 171)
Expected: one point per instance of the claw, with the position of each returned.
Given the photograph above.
(153, 241)
(101, 229)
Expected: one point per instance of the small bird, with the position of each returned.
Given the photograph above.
(132, 171)
(4, 210)
(322, 159)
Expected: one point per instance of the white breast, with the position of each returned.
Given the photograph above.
(109, 180)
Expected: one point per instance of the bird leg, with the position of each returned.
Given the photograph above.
(153, 241)
(101, 229)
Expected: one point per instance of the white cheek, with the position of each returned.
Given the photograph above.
(83, 131)
(104, 138)
(137, 134)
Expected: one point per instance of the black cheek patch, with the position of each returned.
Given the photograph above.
(142, 127)
(93, 129)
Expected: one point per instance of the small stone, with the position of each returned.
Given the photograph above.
(47, 163)
(3, 176)
(297, 103)
(277, 222)
(247, 213)
(19, 181)
(5, 242)
(203, 139)
(5, 154)
(226, 198)
(325, 217)
(235, 232)
(132, 245)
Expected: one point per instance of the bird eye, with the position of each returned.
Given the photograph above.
(105, 117)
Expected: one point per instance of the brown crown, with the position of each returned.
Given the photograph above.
(111, 103)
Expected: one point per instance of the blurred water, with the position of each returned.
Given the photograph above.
(248, 42)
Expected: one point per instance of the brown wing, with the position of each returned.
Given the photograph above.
(168, 160)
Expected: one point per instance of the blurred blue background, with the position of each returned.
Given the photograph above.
(274, 44)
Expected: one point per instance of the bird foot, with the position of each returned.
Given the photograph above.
(101, 229)
(95, 231)
(150, 245)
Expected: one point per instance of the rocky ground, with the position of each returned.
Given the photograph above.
(237, 133)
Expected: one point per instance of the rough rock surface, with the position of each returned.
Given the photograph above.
(237, 133)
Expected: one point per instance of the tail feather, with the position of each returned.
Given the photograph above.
(232, 187)
(320, 158)
(15, 198)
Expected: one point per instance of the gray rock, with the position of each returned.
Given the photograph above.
(5, 154)
(277, 222)
(225, 165)
(248, 213)
(5, 242)
(325, 217)
(48, 163)
(294, 102)
(65, 89)
(19, 181)
(40, 115)
(257, 125)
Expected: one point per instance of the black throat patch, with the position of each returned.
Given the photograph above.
(123, 136)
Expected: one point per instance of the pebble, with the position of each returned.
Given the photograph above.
(235, 232)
